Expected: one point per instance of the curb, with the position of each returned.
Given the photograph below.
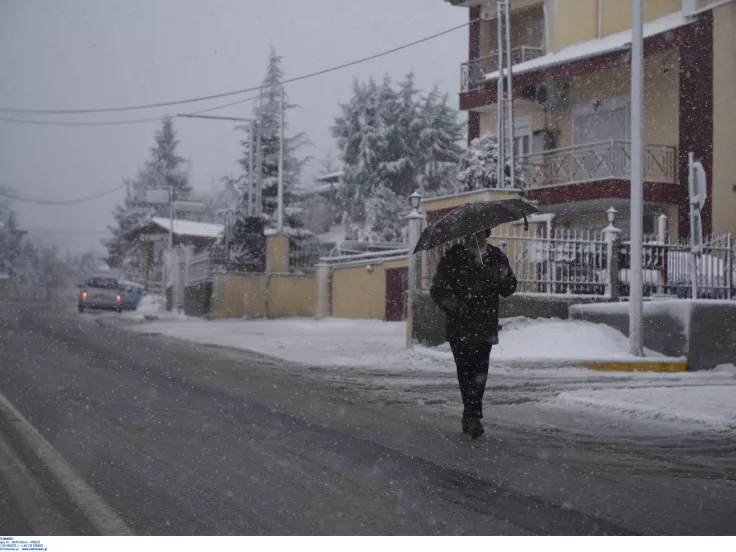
(639, 366)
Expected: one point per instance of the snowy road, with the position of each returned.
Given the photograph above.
(180, 438)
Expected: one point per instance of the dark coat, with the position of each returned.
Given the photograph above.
(467, 292)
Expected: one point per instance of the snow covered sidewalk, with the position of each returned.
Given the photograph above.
(535, 364)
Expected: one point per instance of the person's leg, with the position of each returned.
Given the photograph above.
(479, 375)
(461, 353)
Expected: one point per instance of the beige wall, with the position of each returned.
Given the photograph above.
(661, 99)
(574, 21)
(230, 292)
(617, 13)
(449, 202)
(577, 20)
(357, 293)
(277, 253)
(291, 295)
(522, 22)
(724, 118)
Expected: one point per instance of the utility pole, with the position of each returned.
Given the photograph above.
(259, 158)
(636, 291)
(510, 99)
(282, 133)
(500, 124)
(251, 145)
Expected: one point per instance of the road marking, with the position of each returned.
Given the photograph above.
(35, 505)
(96, 510)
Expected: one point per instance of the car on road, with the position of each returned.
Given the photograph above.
(101, 293)
(131, 293)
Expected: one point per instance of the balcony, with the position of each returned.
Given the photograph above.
(609, 160)
(473, 73)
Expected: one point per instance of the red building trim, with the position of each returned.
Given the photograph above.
(657, 192)
(696, 117)
(653, 45)
(474, 34)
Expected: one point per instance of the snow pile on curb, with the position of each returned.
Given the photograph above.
(706, 406)
(153, 307)
(551, 343)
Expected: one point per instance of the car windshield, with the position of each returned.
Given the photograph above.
(102, 283)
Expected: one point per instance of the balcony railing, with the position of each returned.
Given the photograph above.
(473, 73)
(599, 161)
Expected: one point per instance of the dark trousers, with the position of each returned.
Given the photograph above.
(471, 358)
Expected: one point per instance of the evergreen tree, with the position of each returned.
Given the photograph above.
(164, 169)
(478, 166)
(393, 142)
(267, 115)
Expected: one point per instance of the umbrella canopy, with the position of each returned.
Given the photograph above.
(472, 218)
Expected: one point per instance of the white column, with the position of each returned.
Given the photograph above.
(636, 337)
(613, 235)
(415, 230)
(662, 237)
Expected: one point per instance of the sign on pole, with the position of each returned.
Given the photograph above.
(157, 196)
(189, 207)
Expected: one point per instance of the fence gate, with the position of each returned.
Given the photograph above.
(396, 285)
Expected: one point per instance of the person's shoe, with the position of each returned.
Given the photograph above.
(473, 426)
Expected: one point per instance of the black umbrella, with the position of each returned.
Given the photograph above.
(472, 218)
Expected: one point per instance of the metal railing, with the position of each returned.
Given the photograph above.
(587, 262)
(568, 262)
(667, 268)
(304, 257)
(598, 161)
(473, 73)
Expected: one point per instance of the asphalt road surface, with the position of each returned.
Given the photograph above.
(103, 431)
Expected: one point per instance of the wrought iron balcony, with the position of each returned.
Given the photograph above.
(599, 161)
(473, 73)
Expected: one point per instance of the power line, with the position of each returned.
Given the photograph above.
(236, 92)
(15, 197)
(115, 123)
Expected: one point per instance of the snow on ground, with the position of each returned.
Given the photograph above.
(153, 307)
(712, 406)
(697, 400)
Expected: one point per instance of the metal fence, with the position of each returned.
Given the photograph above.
(579, 263)
(304, 256)
(567, 262)
(669, 268)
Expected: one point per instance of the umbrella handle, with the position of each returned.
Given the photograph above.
(526, 224)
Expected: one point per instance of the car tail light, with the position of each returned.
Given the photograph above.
(84, 295)
(117, 298)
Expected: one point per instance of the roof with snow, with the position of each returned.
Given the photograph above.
(330, 177)
(191, 228)
(182, 228)
(592, 48)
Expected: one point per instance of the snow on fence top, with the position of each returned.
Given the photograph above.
(373, 257)
(598, 47)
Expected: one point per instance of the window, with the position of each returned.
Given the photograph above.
(102, 283)
(600, 120)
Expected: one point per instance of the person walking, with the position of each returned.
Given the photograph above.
(466, 287)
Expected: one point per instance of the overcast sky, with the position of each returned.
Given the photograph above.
(68, 54)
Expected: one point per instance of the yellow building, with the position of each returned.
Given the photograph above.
(571, 97)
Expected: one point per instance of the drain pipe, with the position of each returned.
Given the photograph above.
(600, 19)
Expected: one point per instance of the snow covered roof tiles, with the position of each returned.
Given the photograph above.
(598, 47)
(191, 228)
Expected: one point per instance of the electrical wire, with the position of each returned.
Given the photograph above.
(16, 197)
(234, 92)
(116, 123)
